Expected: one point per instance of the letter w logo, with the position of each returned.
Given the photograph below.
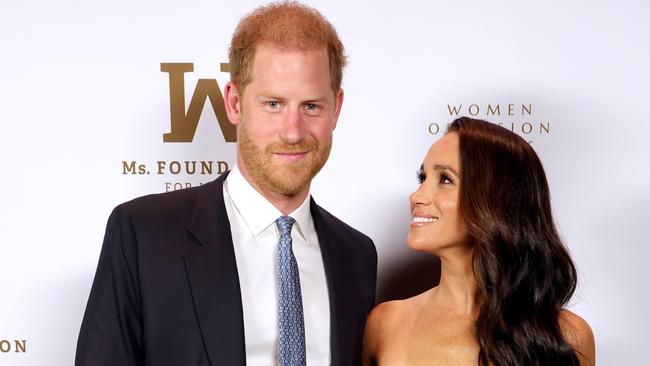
(184, 124)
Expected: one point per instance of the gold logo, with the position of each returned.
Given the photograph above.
(17, 346)
(184, 123)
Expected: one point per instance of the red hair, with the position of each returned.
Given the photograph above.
(288, 26)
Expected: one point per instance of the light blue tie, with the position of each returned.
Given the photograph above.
(290, 315)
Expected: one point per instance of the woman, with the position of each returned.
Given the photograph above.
(483, 208)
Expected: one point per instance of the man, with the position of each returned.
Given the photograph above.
(247, 269)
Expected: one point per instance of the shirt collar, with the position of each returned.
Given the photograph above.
(257, 212)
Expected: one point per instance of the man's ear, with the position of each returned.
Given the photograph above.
(338, 103)
(232, 101)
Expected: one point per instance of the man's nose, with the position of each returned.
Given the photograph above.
(293, 128)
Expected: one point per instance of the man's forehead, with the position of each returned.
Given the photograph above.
(268, 48)
(288, 68)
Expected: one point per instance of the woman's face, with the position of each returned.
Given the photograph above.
(436, 222)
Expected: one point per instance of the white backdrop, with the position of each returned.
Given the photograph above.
(81, 91)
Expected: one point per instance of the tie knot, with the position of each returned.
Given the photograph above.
(284, 224)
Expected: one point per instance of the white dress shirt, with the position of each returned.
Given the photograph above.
(255, 237)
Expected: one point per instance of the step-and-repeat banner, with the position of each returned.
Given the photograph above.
(101, 102)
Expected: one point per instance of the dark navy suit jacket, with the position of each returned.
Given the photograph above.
(166, 290)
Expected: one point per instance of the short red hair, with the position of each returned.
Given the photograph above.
(288, 26)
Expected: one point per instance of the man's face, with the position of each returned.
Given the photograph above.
(287, 114)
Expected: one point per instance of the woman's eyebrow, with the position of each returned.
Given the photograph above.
(445, 167)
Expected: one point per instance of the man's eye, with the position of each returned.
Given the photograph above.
(312, 107)
(273, 104)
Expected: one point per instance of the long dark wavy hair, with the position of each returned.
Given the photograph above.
(524, 273)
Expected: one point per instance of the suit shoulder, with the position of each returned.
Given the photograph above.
(159, 201)
(343, 229)
(164, 203)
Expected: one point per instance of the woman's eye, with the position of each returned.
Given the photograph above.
(421, 176)
(445, 179)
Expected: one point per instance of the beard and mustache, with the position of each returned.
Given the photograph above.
(287, 179)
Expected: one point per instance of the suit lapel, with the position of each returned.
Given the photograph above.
(214, 281)
(340, 274)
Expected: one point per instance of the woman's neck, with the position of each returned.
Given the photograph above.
(457, 288)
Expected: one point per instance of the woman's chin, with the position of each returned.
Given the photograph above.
(419, 245)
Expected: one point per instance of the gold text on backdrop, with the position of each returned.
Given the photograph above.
(176, 167)
(184, 123)
(18, 346)
(491, 109)
(518, 118)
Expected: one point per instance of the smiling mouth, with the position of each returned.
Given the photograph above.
(423, 220)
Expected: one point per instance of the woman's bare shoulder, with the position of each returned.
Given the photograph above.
(390, 312)
(578, 334)
(386, 314)
(377, 325)
(384, 321)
